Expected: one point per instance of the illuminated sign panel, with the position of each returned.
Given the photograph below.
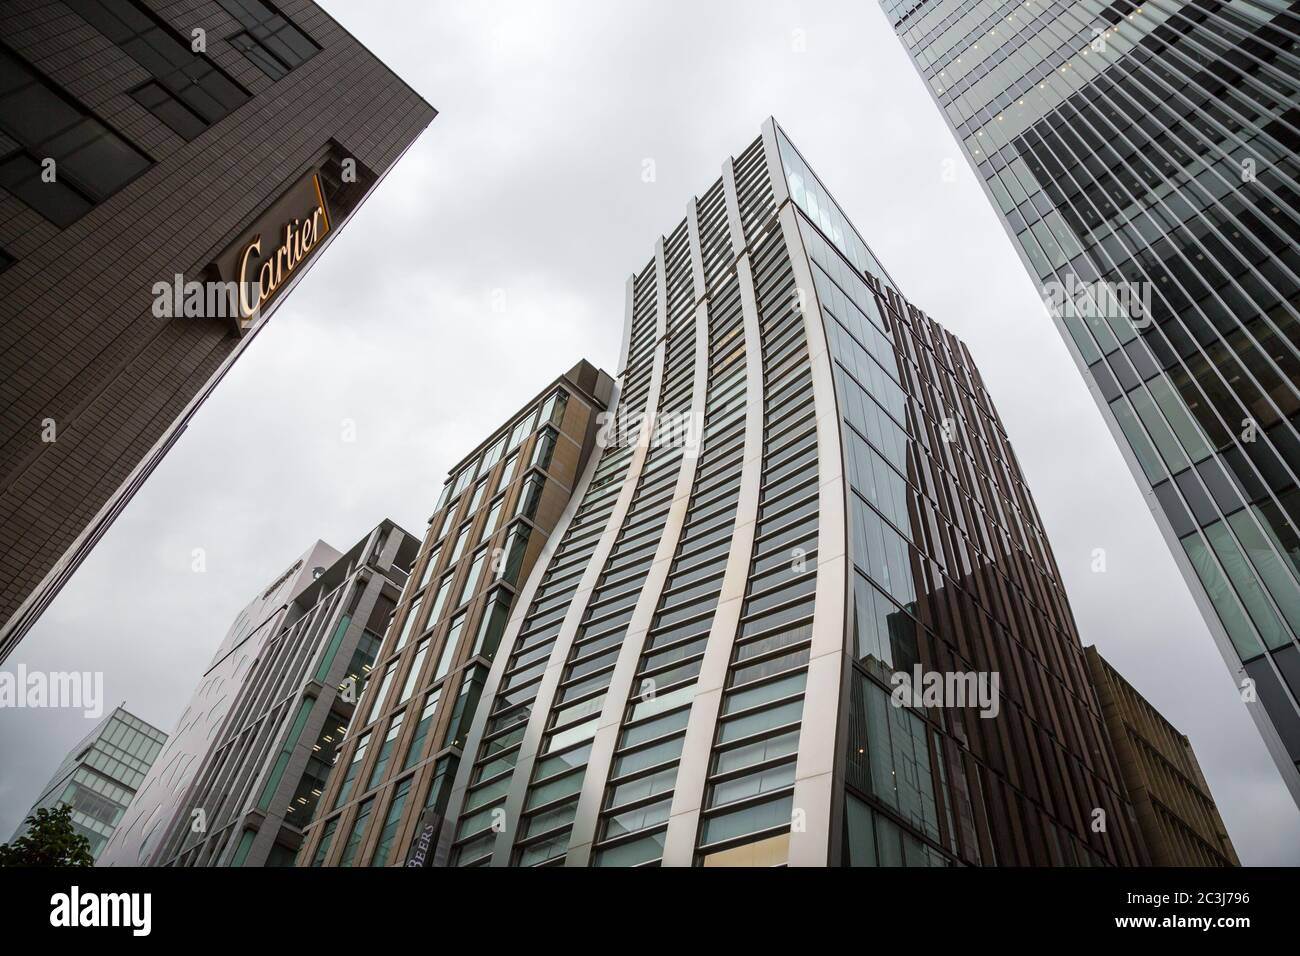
(263, 260)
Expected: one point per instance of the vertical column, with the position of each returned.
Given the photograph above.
(621, 683)
(688, 797)
(814, 790)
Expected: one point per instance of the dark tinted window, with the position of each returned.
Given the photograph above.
(269, 40)
(57, 202)
(169, 109)
(91, 162)
(186, 82)
(260, 56)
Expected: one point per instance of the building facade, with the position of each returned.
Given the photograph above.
(146, 145)
(245, 766)
(384, 799)
(1176, 812)
(807, 502)
(100, 775)
(1143, 158)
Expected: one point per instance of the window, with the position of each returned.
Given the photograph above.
(462, 480)
(553, 408)
(331, 651)
(170, 110)
(429, 566)
(522, 429)
(414, 674)
(762, 781)
(389, 832)
(495, 615)
(443, 587)
(90, 161)
(477, 499)
(315, 776)
(889, 755)
(350, 778)
(282, 760)
(327, 837)
(270, 42)
(544, 448)
(358, 830)
(471, 579)
(512, 555)
(508, 469)
(871, 839)
(530, 494)
(461, 540)
(463, 713)
(245, 844)
(493, 513)
(187, 92)
(386, 751)
(444, 772)
(494, 454)
(409, 624)
(376, 702)
(885, 633)
(258, 55)
(422, 728)
(449, 648)
(750, 819)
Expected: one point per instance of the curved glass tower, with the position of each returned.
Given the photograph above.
(803, 493)
(1143, 157)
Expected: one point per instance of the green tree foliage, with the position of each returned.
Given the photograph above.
(50, 840)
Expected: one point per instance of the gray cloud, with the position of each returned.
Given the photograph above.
(530, 183)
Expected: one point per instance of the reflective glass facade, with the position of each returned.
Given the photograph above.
(1143, 157)
(805, 492)
(101, 775)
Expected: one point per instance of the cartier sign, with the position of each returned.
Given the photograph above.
(262, 261)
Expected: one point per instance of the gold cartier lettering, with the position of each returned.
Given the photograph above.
(247, 308)
(299, 238)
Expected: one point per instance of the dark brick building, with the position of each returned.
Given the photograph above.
(141, 140)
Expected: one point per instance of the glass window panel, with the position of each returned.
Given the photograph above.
(761, 816)
(358, 831)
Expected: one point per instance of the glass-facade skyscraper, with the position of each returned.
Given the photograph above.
(1143, 157)
(101, 775)
(804, 492)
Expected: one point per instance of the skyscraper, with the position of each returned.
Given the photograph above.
(804, 514)
(1176, 812)
(100, 775)
(154, 158)
(1143, 158)
(241, 774)
(386, 795)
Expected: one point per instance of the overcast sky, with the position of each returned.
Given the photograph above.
(530, 182)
